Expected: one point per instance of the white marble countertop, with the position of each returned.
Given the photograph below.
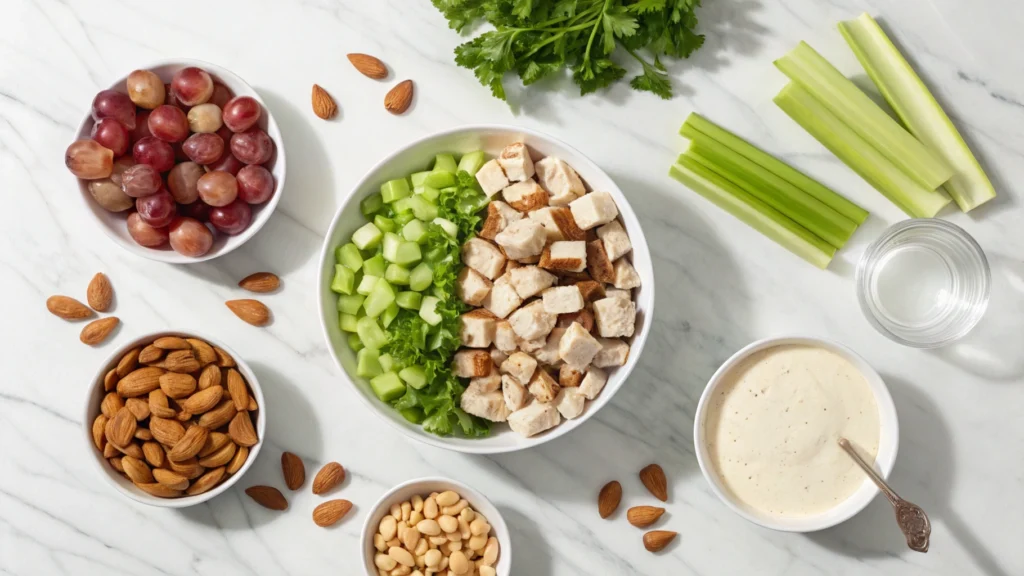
(720, 286)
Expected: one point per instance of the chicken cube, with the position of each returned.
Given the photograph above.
(472, 363)
(520, 365)
(472, 287)
(569, 377)
(558, 223)
(615, 317)
(514, 392)
(577, 347)
(535, 418)
(593, 383)
(562, 300)
(488, 383)
(502, 299)
(616, 293)
(592, 291)
(560, 180)
(476, 328)
(499, 216)
(525, 196)
(584, 317)
(548, 353)
(515, 160)
(626, 277)
(613, 352)
(616, 241)
(497, 356)
(492, 178)
(505, 337)
(599, 264)
(569, 402)
(487, 404)
(531, 321)
(543, 387)
(484, 257)
(532, 346)
(530, 281)
(568, 256)
(522, 239)
(593, 209)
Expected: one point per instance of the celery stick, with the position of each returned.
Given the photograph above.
(344, 280)
(375, 266)
(371, 204)
(367, 237)
(384, 224)
(347, 322)
(348, 256)
(752, 211)
(355, 343)
(445, 162)
(917, 109)
(858, 154)
(395, 190)
(855, 109)
(408, 300)
(472, 162)
(701, 129)
(417, 178)
(350, 304)
(370, 333)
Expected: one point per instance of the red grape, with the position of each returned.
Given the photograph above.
(252, 146)
(158, 209)
(120, 165)
(221, 95)
(199, 210)
(89, 160)
(183, 181)
(205, 118)
(192, 85)
(155, 152)
(146, 89)
(172, 99)
(227, 163)
(190, 237)
(231, 219)
(168, 123)
(144, 234)
(109, 195)
(255, 184)
(113, 104)
(204, 148)
(141, 129)
(218, 188)
(241, 113)
(111, 134)
(141, 180)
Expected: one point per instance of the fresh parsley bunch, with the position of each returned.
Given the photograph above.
(535, 38)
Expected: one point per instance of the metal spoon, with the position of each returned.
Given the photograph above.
(912, 519)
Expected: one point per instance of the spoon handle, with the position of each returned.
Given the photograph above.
(870, 471)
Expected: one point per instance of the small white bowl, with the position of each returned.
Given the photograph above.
(417, 156)
(888, 441)
(114, 224)
(423, 487)
(122, 484)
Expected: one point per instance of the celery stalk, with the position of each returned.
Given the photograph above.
(701, 129)
(858, 154)
(752, 211)
(844, 100)
(917, 109)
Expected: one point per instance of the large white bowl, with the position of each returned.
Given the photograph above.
(121, 483)
(417, 156)
(888, 442)
(114, 224)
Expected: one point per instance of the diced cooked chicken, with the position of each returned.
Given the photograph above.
(515, 160)
(569, 402)
(613, 352)
(560, 180)
(615, 317)
(568, 256)
(499, 216)
(488, 383)
(594, 209)
(543, 387)
(472, 363)
(530, 281)
(532, 346)
(502, 299)
(492, 178)
(616, 293)
(569, 377)
(535, 418)
(512, 265)
(599, 264)
(616, 241)
(514, 392)
(548, 353)
(487, 404)
(484, 257)
(592, 291)
(558, 223)
(520, 365)
(562, 300)
(625, 275)
(593, 382)
(476, 328)
(472, 286)
(522, 239)
(505, 337)
(497, 356)
(577, 347)
(584, 317)
(531, 321)
(525, 196)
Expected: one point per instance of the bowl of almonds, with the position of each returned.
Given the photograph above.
(435, 526)
(173, 419)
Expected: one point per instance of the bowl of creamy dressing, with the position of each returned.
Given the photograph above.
(767, 428)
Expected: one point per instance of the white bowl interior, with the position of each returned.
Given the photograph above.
(888, 442)
(418, 156)
(114, 223)
(423, 487)
(123, 484)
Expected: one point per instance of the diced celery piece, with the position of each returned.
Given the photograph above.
(401, 206)
(343, 280)
(421, 277)
(409, 300)
(414, 231)
(397, 274)
(367, 284)
(440, 179)
(391, 242)
(387, 362)
(449, 227)
(404, 218)
(414, 415)
(348, 256)
(428, 310)
(438, 291)
(423, 209)
(445, 162)
(367, 237)
(414, 376)
(382, 296)
(374, 266)
(368, 363)
(370, 332)
(417, 178)
(347, 322)
(371, 204)
(394, 190)
(350, 304)
(355, 343)
(408, 253)
(429, 193)
(388, 386)
(471, 163)
(389, 315)
(384, 224)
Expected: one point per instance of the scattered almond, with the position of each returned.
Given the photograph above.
(369, 66)
(292, 467)
(608, 498)
(328, 477)
(323, 104)
(252, 311)
(100, 293)
(653, 477)
(397, 101)
(96, 332)
(331, 512)
(657, 540)
(260, 282)
(644, 516)
(67, 308)
(268, 497)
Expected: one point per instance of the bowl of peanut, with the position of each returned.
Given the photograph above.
(435, 526)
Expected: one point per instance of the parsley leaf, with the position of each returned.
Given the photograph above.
(654, 79)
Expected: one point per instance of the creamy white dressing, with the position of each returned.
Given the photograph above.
(773, 424)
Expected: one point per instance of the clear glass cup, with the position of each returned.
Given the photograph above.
(924, 283)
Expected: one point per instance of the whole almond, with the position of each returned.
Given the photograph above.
(110, 380)
(159, 490)
(189, 445)
(154, 454)
(328, 477)
(136, 469)
(110, 404)
(369, 66)
(219, 416)
(397, 101)
(252, 311)
(644, 516)
(143, 433)
(224, 360)
(121, 428)
(221, 457)
(203, 351)
(330, 512)
(268, 497)
(172, 343)
(214, 442)
(238, 460)
(203, 401)
(100, 293)
(139, 408)
(96, 332)
(158, 405)
(181, 361)
(293, 468)
(252, 406)
(128, 362)
(653, 477)
(188, 468)
(150, 354)
(116, 464)
(67, 308)
(210, 376)
(99, 426)
(177, 385)
(241, 430)
(171, 479)
(260, 282)
(206, 481)
(323, 104)
(140, 381)
(109, 450)
(131, 449)
(656, 540)
(608, 498)
(238, 390)
(166, 431)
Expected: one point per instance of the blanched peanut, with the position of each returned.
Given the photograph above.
(456, 509)
(448, 523)
(464, 529)
(447, 498)
(379, 543)
(394, 542)
(438, 540)
(478, 542)
(406, 511)
(454, 537)
(416, 573)
(389, 527)
(488, 571)
(432, 558)
(444, 562)
(396, 511)
(382, 572)
(453, 546)
(459, 563)
(428, 527)
(401, 571)
(384, 562)
(467, 514)
(401, 531)
(479, 527)
(415, 518)
(430, 508)
(402, 556)
(417, 502)
(410, 538)
(491, 551)
(421, 548)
